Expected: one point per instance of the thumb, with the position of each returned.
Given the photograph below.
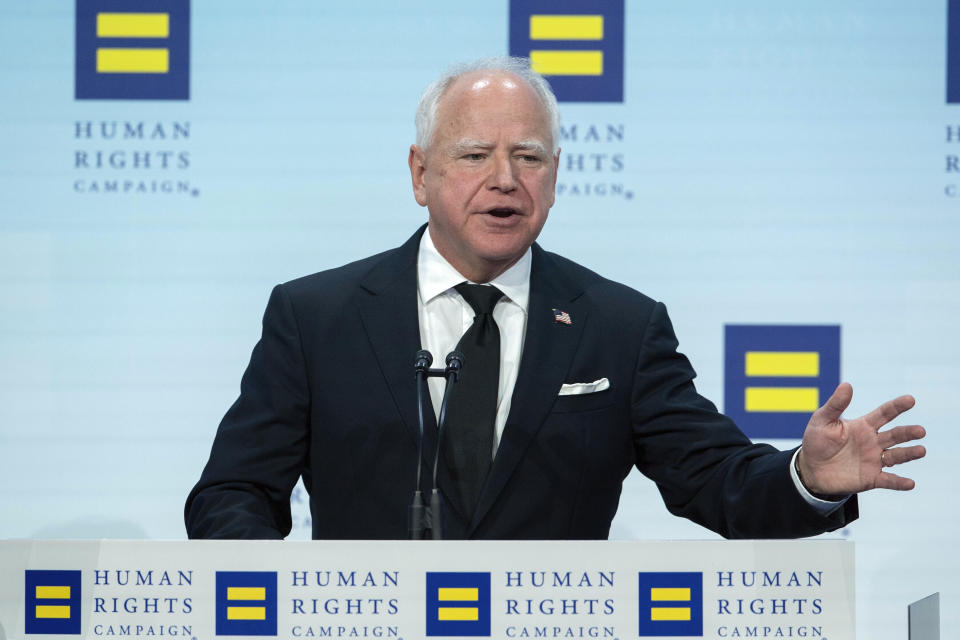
(837, 403)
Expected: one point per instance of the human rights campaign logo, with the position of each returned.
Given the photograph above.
(671, 604)
(132, 50)
(576, 44)
(776, 376)
(52, 602)
(953, 51)
(246, 603)
(458, 604)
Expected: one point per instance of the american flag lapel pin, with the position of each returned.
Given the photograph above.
(562, 317)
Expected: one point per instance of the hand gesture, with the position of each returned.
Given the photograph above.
(841, 457)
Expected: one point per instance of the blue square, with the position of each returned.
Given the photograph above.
(133, 58)
(246, 603)
(458, 604)
(953, 51)
(560, 52)
(671, 604)
(776, 376)
(52, 602)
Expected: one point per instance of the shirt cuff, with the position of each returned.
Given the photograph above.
(823, 507)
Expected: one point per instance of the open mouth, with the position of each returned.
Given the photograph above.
(502, 212)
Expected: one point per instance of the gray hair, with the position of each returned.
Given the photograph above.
(426, 118)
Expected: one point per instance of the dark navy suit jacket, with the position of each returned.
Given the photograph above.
(330, 395)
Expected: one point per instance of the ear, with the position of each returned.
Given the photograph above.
(556, 170)
(418, 166)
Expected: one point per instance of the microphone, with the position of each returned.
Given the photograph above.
(454, 362)
(421, 368)
(423, 361)
(421, 517)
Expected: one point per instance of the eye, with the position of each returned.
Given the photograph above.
(474, 157)
(529, 158)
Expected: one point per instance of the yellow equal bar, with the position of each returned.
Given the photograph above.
(48, 611)
(566, 27)
(133, 25)
(673, 614)
(458, 593)
(246, 613)
(786, 364)
(53, 593)
(671, 593)
(458, 613)
(786, 399)
(246, 593)
(133, 60)
(567, 63)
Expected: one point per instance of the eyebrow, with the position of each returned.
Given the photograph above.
(468, 144)
(532, 145)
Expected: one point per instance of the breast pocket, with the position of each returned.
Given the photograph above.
(583, 402)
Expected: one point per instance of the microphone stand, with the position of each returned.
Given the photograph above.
(430, 518)
(421, 370)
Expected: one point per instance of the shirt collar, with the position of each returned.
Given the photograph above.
(436, 276)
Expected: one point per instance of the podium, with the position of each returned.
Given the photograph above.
(201, 590)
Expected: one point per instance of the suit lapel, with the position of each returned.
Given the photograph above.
(548, 349)
(388, 311)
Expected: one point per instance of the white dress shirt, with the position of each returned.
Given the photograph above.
(445, 316)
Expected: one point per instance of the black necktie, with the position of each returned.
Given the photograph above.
(472, 410)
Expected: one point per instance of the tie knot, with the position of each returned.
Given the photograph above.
(482, 298)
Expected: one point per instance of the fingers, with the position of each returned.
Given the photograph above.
(895, 482)
(900, 455)
(837, 403)
(899, 435)
(888, 411)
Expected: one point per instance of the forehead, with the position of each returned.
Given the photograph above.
(491, 100)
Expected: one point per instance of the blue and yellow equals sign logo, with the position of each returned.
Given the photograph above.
(777, 375)
(246, 603)
(671, 604)
(133, 50)
(576, 44)
(52, 602)
(458, 604)
(953, 51)
(155, 59)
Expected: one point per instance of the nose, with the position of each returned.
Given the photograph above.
(502, 175)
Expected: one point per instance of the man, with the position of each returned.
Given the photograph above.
(585, 381)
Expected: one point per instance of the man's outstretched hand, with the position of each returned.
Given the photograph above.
(841, 456)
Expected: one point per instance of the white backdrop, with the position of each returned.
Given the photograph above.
(780, 164)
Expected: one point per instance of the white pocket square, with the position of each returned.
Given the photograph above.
(580, 388)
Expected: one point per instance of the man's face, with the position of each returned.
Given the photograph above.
(489, 174)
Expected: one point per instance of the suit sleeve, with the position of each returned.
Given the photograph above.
(260, 449)
(706, 469)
